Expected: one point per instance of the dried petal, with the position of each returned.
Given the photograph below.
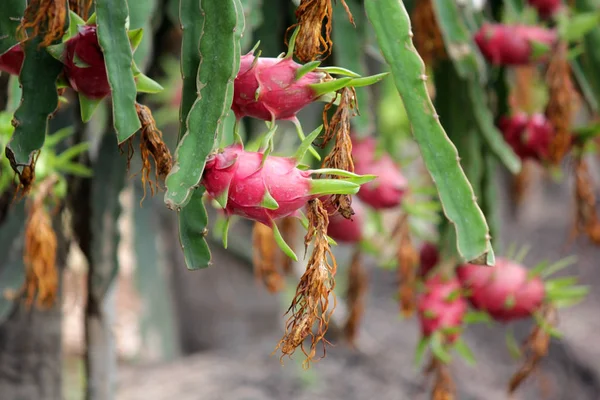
(408, 263)
(427, 38)
(44, 17)
(265, 257)
(357, 288)
(311, 304)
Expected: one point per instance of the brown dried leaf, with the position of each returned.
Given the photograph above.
(535, 348)
(44, 17)
(264, 258)
(443, 384)
(311, 303)
(41, 274)
(340, 156)
(427, 37)
(585, 202)
(408, 264)
(81, 7)
(152, 145)
(315, 20)
(357, 288)
(562, 102)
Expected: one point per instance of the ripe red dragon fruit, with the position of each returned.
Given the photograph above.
(546, 8)
(529, 136)
(441, 308)
(390, 186)
(12, 61)
(84, 64)
(512, 44)
(347, 230)
(267, 88)
(504, 291)
(235, 178)
(429, 257)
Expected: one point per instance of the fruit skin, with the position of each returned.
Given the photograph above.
(441, 306)
(90, 80)
(268, 89)
(546, 8)
(237, 173)
(12, 61)
(511, 44)
(504, 291)
(388, 189)
(529, 136)
(345, 230)
(429, 257)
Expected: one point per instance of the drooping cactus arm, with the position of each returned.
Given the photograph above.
(392, 28)
(111, 19)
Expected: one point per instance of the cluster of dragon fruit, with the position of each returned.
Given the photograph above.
(355, 177)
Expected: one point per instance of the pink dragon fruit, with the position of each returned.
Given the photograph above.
(12, 60)
(84, 64)
(504, 291)
(235, 178)
(347, 230)
(429, 257)
(546, 8)
(529, 136)
(267, 88)
(512, 44)
(441, 308)
(390, 186)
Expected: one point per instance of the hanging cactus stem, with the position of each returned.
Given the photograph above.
(225, 233)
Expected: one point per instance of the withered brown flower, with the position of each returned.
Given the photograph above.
(315, 21)
(311, 304)
(46, 18)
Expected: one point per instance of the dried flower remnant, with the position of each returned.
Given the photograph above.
(311, 304)
(315, 20)
(26, 174)
(44, 17)
(561, 104)
(427, 38)
(535, 347)
(264, 258)
(585, 202)
(340, 156)
(408, 263)
(152, 145)
(81, 7)
(41, 274)
(355, 297)
(443, 385)
(288, 232)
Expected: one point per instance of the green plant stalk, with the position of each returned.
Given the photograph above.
(219, 64)
(590, 58)
(111, 19)
(349, 51)
(12, 12)
(39, 100)
(392, 28)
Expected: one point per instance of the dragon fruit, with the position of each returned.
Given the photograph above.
(529, 136)
(84, 64)
(347, 230)
(12, 60)
(236, 180)
(441, 308)
(504, 291)
(268, 89)
(429, 257)
(512, 44)
(390, 186)
(546, 8)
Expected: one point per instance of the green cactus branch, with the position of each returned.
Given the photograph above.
(219, 63)
(10, 18)
(39, 100)
(392, 27)
(112, 20)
